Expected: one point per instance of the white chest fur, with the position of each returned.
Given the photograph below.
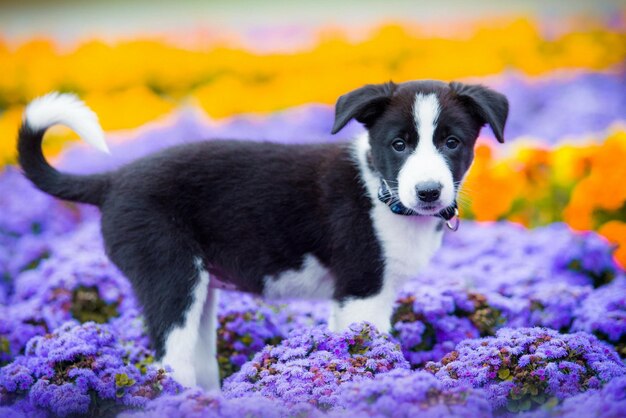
(408, 242)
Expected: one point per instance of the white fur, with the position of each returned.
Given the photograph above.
(205, 356)
(376, 310)
(69, 110)
(332, 316)
(311, 281)
(408, 243)
(180, 345)
(426, 163)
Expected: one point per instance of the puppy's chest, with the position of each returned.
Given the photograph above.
(407, 243)
(311, 281)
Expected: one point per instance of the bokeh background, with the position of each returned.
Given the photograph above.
(547, 249)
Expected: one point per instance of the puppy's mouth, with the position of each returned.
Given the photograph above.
(429, 209)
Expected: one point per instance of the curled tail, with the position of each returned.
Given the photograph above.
(68, 110)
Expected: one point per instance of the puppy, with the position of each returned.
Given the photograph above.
(349, 222)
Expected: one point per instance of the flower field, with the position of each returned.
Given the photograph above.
(521, 313)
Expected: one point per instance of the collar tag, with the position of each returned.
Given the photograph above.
(454, 222)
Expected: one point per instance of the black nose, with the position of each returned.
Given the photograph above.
(428, 191)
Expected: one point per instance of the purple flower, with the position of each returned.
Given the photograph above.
(29, 218)
(76, 283)
(194, 403)
(404, 393)
(247, 324)
(610, 402)
(603, 313)
(551, 305)
(525, 367)
(429, 323)
(311, 364)
(80, 368)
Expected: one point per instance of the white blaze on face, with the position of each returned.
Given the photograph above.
(426, 163)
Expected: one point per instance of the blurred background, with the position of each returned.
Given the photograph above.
(159, 73)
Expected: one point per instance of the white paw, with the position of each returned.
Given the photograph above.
(182, 373)
(209, 374)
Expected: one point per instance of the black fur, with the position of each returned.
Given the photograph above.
(88, 189)
(489, 106)
(252, 210)
(364, 104)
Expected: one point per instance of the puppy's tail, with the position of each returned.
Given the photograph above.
(68, 110)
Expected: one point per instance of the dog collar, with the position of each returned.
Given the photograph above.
(449, 214)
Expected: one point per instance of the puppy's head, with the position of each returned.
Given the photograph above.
(422, 135)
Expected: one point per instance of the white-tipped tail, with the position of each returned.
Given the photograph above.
(66, 109)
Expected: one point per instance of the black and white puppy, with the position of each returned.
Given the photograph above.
(349, 222)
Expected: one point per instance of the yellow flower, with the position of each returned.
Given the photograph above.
(127, 108)
(9, 125)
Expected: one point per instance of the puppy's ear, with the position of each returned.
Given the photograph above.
(364, 104)
(487, 105)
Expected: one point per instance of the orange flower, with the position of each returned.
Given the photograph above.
(492, 186)
(615, 232)
(603, 189)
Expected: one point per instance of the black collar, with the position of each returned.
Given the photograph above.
(390, 199)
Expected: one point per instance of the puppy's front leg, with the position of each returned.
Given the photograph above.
(375, 309)
(332, 317)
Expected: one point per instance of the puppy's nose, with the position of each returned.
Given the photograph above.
(428, 191)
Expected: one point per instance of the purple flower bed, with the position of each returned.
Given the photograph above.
(402, 393)
(247, 324)
(83, 369)
(608, 402)
(524, 367)
(311, 364)
(603, 313)
(194, 403)
(72, 339)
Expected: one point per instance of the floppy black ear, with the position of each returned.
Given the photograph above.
(364, 104)
(488, 105)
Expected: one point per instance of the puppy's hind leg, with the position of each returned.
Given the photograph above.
(180, 341)
(207, 367)
(164, 264)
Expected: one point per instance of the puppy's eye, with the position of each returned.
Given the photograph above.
(399, 145)
(452, 142)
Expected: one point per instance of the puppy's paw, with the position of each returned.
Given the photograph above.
(185, 375)
(209, 374)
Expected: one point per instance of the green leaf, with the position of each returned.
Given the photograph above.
(122, 380)
(525, 405)
(512, 406)
(552, 402)
(504, 373)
